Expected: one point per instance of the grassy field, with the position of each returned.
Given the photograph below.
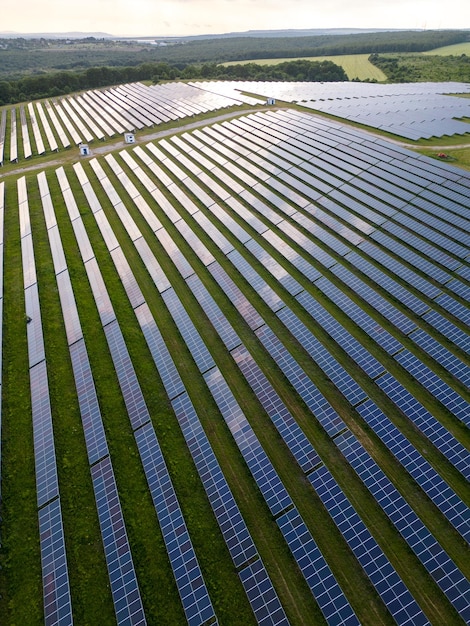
(456, 50)
(355, 65)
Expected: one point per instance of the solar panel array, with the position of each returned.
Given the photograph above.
(302, 289)
(101, 114)
(55, 579)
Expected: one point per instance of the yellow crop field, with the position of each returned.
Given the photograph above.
(456, 50)
(355, 65)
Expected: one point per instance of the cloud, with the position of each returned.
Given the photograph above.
(176, 17)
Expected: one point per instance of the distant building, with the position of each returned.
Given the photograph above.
(129, 137)
(84, 149)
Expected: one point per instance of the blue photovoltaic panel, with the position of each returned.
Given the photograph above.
(444, 571)
(301, 264)
(69, 308)
(192, 589)
(443, 356)
(95, 437)
(444, 441)
(262, 596)
(29, 267)
(55, 579)
(219, 321)
(383, 576)
(36, 352)
(400, 270)
(100, 293)
(256, 281)
(152, 265)
(106, 230)
(358, 315)
(448, 329)
(213, 232)
(47, 484)
(131, 391)
(456, 308)
(300, 447)
(422, 471)
(124, 587)
(128, 280)
(275, 268)
(323, 585)
(306, 244)
(258, 462)
(386, 308)
(232, 525)
(196, 244)
(169, 374)
(192, 338)
(313, 398)
(345, 383)
(439, 388)
(175, 254)
(58, 257)
(349, 343)
(236, 296)
(403, 295)
(83, 241)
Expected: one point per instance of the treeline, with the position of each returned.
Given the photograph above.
(245, 48)
(59, 55)
(417, 68)
(61, 83)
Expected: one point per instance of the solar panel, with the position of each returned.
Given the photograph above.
(265, 475)
(300, 447)
(261, 594)
(323, 585)
(380, 571)
(303, 385)
(444, 571)
(95, 437)
(425, 475)
(320, 355)
(427, 423)
(55, 579)
(47, 485)
(191, 586)
(124, 586)
(130, 388)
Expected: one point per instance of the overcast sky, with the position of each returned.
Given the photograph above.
(187, 17)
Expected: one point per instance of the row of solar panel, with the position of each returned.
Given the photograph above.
(100, 114)
(55, 579)
(191, 586)
(370, 325)
(235, 532)
(265, 475)
(167, 292)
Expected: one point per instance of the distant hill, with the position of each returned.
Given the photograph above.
(72, 35)
(303, 32)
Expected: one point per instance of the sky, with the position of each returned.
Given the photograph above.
(196, 17)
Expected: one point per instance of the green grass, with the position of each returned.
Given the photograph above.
(355, 65)
(455, 50)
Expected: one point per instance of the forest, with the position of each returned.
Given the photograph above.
(40, 68)
(59, 83)
(417, 67)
